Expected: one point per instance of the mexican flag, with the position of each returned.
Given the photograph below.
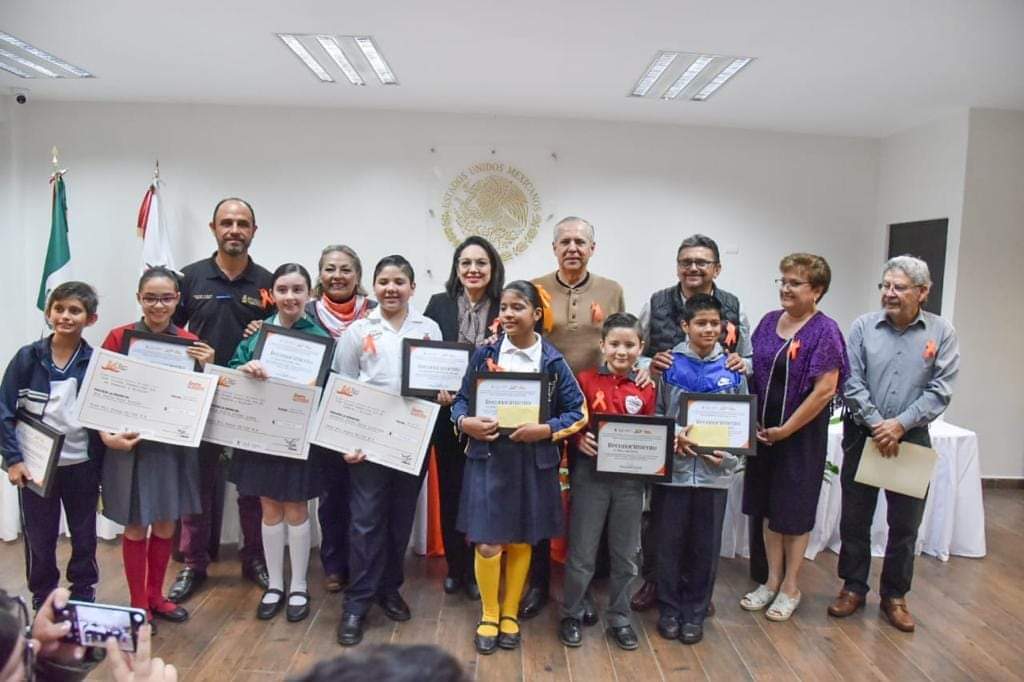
(57, 267)
(156, 238)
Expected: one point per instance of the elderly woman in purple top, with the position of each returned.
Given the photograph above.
(799, 361)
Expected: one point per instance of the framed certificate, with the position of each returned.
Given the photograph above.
(392, 430)
(160, 349)
(638, 447)
(294, 355)
(513, 398)
(432, 366)
(720, 421)
(40, 446)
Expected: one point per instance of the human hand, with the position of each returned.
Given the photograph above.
(252, 328)
(480, 428)
(201, 352)
(120, 441)
(354, 457)
(887, 435)
(714, 458)
(140, 667)
(734, 363)
(660, 362)
(588, 444)
(444, 398)
(531, 433)
(684, 446)
(255, 369)
(49, 633)
(771, 435)
(18, 474)
(644, 378)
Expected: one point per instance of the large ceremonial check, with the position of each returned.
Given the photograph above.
(269, 416)
(720, 421)
(122, 394)
(392, 430)
(635, 446)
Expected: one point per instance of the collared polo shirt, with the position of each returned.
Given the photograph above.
(217, 309)
(511, 358)
(903, 374)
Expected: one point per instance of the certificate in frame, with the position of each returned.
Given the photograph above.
(133, 337)
(41, 445)
(721, 421)
(427, 364)
(514, 398)
(631, 446)
(313, 371)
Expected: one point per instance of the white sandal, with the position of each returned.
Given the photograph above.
(758, 599)
(783, 607)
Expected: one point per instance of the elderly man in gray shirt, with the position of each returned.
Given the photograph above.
(903, 361)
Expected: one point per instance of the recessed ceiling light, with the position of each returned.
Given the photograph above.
(26, 62)
(661, 62)
(333, 50)
(296, 46)
(720, 80)
(44, 56)
(376, 60)
(15, 70)
(688, 76)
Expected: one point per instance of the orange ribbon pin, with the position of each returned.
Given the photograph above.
(545, 305)
(794, 348)
(492, 366)
(599, 403)
(930, 350)
(495, 326)
(730, 334)
(368, 345)
(596, 314)
(266, 298)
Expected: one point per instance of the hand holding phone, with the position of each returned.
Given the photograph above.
(93, 624)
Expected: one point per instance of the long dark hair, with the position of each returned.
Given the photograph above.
(454, 287)
(289, 269)
(528, 291)
(159, 271)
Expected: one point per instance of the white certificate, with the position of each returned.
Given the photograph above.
(269, 416)
(635, 446)
(432, 366)
(720, 421)
(908, 473)
(294, 355)
(391, 430)
(159, 349)
(40, 450)
(159, 403)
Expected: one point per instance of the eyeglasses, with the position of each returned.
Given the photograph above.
(153, 300)
(699, 263)
(789, 283)
(28, 653)
(898, 288)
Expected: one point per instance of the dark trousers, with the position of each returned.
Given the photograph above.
(451, 463)
(197, 530)
(859, 501)
(333, 513)
(649, 541)
(383, 506)
(76, 488)
(758, 555)
(689, 529)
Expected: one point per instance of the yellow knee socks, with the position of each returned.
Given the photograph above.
(488, 579)
(517, 566)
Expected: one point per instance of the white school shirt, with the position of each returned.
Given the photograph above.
(514, 359)
(60, 414)
(354, 358)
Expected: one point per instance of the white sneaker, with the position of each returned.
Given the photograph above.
(758, 599)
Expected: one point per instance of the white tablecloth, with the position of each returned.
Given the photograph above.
(954, 516)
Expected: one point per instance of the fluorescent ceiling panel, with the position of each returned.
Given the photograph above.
(691, 73)
(661, 62)
(300, 51)
(376, 60)
(45, 56)
(723, 76)
(333, 50)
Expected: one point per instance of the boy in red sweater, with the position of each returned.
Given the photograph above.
(596, 497)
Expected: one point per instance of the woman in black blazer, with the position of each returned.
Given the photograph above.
(467, 312)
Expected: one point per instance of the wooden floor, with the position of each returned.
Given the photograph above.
(970, 625)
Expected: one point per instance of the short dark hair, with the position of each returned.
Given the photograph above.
(621, 321)
(397, 261)
(159, 271)
(529, 292)
(85, 294)
(814, 267)
(454, 287)
(291, 269)
(226, 200)
(699, 302)
(391, 662)
(699, 241)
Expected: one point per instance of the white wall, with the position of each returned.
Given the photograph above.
(920, 177)
(317, 176)
(989, 309)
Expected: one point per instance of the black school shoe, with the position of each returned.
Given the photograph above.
(535, 599)
(691, 633)
(350, 630)
(668, 627)
(509, 640)
(395, 607)
(570, 632)
(185, 584)
(625, 637)
(295, 613)
(485, 644)
(267, 610)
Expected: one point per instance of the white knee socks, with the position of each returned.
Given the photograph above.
(298, 552)
(273, 550)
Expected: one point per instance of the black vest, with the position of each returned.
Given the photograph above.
(667, 313)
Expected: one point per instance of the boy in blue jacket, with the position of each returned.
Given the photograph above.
(690, 509)
(43, 379)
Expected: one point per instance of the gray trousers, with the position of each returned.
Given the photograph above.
(596, 497)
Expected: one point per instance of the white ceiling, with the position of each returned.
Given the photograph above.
(858, 67)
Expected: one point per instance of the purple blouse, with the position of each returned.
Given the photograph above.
(820, 351)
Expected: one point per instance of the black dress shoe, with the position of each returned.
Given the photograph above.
(589, 614)
(472, 589)
(256, 571)
(535, 599)
(625, 637)
(645, 597)
(691, 633)
(668, 627)
(509, 640)
(186, 582)
(452, 585)
(267, 610)
(570, 632)
(296, 613)
(350, 631)
(485, 644)
(395, 607)
(175, 615)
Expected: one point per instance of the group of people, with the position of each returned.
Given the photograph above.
(500, 495)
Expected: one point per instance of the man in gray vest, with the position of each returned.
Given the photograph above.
(697, 266)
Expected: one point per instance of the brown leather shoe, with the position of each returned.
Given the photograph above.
(896, 612)
(645, 597)
(845, 604)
